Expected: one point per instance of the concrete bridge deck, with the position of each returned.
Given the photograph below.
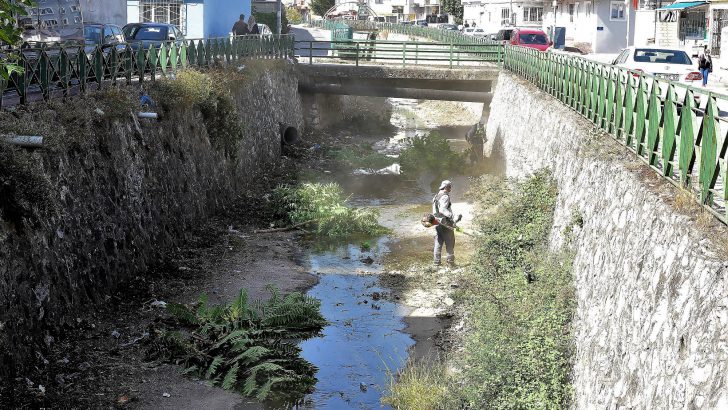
(427, 83)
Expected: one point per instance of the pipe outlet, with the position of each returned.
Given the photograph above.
(289, 135)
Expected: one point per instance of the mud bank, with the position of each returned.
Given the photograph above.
(110, 193)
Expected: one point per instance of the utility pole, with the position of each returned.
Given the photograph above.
(279, 6)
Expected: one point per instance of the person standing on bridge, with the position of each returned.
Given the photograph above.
(240, 28)
(445, 229)
(253, 26)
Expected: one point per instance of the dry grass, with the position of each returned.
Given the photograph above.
(685, 201)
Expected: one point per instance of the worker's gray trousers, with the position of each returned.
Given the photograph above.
(446, 236)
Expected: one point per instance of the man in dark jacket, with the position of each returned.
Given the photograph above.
(240, 28)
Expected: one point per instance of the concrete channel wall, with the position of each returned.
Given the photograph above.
(78, 218)
(651, 328)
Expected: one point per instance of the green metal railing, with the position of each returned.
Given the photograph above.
(431, 33)
(398, 52)
(50, 71)
(679, 130)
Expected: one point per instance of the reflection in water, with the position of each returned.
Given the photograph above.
(365, 336)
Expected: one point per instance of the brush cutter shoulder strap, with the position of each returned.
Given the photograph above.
(436, 209)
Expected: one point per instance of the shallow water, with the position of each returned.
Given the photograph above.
(365, 336)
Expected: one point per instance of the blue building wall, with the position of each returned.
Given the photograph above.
(220, 15)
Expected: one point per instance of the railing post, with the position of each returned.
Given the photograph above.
(417, 53)
(404, 54)
(357, 54)
(310, 52)
(451, 54)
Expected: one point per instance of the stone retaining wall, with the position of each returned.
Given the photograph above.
(651, 328)
(98, 206)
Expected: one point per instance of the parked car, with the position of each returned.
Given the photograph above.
(450, 27)
(106, 36)
(664, 63)
(504, 34)
(148, 35)
(474, 32)
(264, 29)
(532, 38)
(422, 23)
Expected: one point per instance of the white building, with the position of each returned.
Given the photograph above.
(598, 26)
(393, 10)
(492, 15)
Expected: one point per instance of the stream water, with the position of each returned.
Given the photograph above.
(366, 339)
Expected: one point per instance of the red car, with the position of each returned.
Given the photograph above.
(533, 38)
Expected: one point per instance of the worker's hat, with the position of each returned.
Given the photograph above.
(445, 183)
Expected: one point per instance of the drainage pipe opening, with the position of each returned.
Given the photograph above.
(289, 135)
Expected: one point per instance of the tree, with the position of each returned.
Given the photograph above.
(320, 7)
(294, 16)
(454, 8)
(10, 33)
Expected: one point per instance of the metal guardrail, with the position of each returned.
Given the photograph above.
(61, 71)
(398, 52)
(679, 130)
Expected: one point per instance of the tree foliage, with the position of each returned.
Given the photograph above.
(320, 7)
(10, 33)
(454, 8)
(294, 16)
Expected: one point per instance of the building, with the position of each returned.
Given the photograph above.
(597, 26)
(492, 15)
(108, 11)
(196, 18)
(682, 24)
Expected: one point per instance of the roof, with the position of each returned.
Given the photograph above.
(684, 5)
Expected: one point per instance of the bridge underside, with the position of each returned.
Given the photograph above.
(416, 83)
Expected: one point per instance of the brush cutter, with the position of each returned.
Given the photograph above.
(430, 220)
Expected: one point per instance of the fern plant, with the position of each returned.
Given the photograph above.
(246, 345)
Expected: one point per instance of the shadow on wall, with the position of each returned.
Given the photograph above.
(494, 154)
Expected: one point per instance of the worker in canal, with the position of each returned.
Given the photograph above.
(445, 229)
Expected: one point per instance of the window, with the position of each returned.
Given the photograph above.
(505, 16)
(660, 56)
(617, 11)
(533, 14)
(571, 13)
(108, 35)
(378, 1)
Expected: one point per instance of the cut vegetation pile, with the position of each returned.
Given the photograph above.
(246, 346)
(321, 209)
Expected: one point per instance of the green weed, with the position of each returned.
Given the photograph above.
(324, 207)
(420, 386)
(246, 345)
(518, 354)
(432, 153)
(361, 156)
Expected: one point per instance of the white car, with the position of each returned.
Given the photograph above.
(264, 30)
(474, 31)
(665, 63)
